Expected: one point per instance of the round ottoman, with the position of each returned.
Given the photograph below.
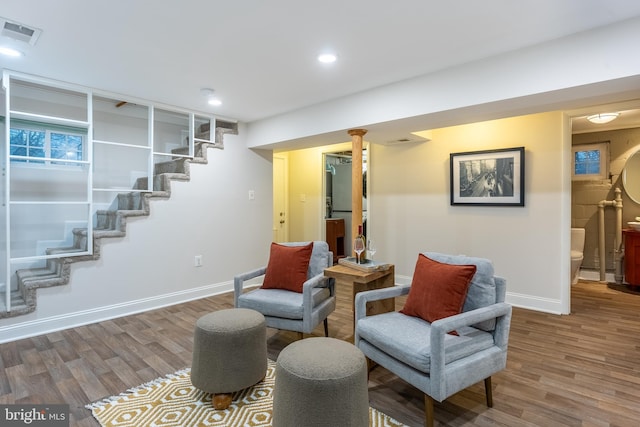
(229, 353)
(321, 382)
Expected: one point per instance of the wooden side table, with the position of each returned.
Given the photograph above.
(365, 281)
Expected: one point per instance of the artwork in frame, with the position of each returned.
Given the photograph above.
(489, 178)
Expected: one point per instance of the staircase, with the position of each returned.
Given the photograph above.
(109, 224)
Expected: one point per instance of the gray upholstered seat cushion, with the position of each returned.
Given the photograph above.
(229, 350)
(407, 338)
(321, 382)
(280, 302)
(482, 290)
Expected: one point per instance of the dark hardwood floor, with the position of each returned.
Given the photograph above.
(576, 370)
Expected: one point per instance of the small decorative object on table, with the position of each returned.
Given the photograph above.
(358, 247)
(363, 265)
(371, 249)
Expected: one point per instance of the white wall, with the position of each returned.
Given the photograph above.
(153, 265)
(411, 211)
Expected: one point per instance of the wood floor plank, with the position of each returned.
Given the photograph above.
(55, 365)
(123, 371)
(18, 380)
(87, 379)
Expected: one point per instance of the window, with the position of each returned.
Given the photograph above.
(590, 161)
(31, 141)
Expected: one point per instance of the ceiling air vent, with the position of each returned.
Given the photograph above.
(404, 140)
(20, 32)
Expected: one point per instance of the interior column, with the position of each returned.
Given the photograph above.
(356, 181)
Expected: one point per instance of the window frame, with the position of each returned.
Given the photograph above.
(47, 147)
(603, 148)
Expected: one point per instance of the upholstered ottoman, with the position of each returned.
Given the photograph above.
(229, 353)
(321, 382)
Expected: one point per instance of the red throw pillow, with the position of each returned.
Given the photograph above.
(287, 268)
(438, 290)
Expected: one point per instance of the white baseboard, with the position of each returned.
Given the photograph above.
(530, 302)
(594, 276)
(79, 318)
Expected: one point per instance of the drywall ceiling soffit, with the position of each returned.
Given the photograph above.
(601, 97)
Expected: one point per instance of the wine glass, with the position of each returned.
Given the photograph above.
(371, 248)
(358, 247)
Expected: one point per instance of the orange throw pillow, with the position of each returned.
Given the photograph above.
(438, 290)
(287, 268)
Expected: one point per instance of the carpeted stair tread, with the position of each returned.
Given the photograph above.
(17, 300)
(18, 306)
(27, 274)
(100, 233)
(65, 250)
(122, 212)
(52, 266)
(41, 279)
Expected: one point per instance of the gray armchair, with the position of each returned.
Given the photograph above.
(289, 310)
(424, 354)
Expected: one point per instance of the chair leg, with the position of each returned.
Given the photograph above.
(428, 411)
(300, 335)
(488, 391)
(326, 327)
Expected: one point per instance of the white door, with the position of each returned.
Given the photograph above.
(280, 225)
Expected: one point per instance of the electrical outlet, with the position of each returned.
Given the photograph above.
(252, 195)
(197, 262)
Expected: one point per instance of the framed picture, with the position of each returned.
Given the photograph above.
(489, 178)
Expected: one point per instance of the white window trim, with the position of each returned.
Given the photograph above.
(603, 147)
(47, 160)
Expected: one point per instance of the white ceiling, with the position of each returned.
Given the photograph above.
(260, 56)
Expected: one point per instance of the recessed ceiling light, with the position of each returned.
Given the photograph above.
(8, 51)
(327, 58)
(210, 95)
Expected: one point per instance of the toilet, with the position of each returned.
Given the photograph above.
(577, 249)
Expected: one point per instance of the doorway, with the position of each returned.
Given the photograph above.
(280, 200)
(337, 180)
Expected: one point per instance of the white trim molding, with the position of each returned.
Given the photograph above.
(530, 302)
(79, 318)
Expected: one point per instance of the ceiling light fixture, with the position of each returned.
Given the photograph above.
(602, 118)
(327, 58)
(8, 51)
(210, 95)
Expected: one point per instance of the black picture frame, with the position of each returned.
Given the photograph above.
(488, 178)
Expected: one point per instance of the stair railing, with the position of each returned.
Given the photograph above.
(155, 147)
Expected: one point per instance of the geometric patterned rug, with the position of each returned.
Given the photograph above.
(174, 401)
